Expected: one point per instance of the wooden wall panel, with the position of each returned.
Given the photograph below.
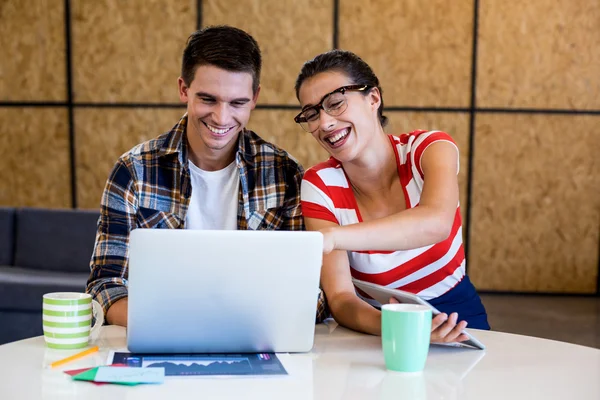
(289, 32)
(32, 55)
(536, 203)
(278, 126)
(455, 124)
(104, 134)
(34, 157)
(129, 51)
(539, 54)
(421, 51)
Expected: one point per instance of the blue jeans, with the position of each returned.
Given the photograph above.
(464, 300)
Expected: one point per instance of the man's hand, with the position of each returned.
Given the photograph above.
(444, 329)
(117, 313)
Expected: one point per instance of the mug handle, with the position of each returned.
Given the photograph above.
(98, 314)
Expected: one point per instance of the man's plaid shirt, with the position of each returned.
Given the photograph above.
(150, 187)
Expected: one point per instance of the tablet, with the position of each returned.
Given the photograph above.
(382, 294)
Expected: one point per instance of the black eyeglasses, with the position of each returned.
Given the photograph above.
(333, 103)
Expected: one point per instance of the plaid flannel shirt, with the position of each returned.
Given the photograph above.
(150, 187)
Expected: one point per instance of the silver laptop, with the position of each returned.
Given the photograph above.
(193, 291)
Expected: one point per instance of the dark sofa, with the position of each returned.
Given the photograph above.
(41, 251)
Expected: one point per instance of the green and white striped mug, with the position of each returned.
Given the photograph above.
(67, 319)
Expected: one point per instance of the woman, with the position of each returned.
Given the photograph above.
(386, 205)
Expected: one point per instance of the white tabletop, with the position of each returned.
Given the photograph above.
(342, 365)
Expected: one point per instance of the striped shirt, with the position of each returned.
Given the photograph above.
(428, 271)
(150, 187)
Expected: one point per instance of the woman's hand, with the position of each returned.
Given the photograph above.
(444, 329)
(328, 239)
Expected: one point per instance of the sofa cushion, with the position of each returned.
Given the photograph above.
(22, 289)
(7, 217)
(55, 240)
(17, 325)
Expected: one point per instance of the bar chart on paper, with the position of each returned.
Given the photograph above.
(205, 364)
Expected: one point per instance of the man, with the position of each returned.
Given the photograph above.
(208, 172)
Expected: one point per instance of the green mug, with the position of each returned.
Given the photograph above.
(405, 335)
(67, 319)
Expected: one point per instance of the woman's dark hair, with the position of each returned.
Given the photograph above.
(225, 47)
(349, 64)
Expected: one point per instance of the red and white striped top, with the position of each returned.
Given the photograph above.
(428, 271)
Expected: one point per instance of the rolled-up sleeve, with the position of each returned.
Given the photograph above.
(108, 277)
(323, 311)
(292, 209)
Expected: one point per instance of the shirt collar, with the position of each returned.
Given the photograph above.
(175, 141)
(246, 147)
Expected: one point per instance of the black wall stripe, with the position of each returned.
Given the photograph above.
(69, 65)
(130, 105)
(199, 14)
(598, 276)
(34, 103)
(472, 113)
(293, 106)
(536, 111)
(336, 24)
(535, 294)
(428, 109)
(277, 107)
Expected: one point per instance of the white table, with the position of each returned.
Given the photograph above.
(342, 365)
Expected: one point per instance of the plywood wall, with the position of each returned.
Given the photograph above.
(527, 130)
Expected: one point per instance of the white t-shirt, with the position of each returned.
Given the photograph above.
(214, 202)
